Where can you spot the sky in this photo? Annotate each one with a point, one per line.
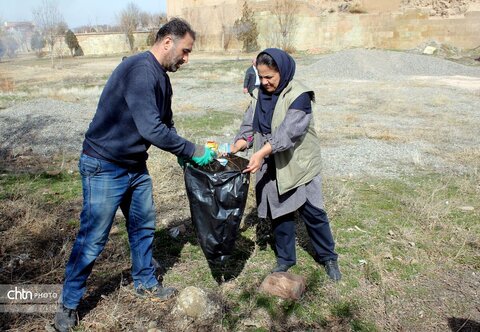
(78, 12)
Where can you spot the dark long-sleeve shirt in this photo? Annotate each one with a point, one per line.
(134, 112)
(250, 79)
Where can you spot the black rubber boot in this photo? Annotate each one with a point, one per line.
(281, 268)
(333, 272)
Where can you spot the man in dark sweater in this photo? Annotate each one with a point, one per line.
(134, 112)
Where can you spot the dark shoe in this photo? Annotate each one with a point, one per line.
(333, 272)
(65, 319)
(157, 292)
(281, 268)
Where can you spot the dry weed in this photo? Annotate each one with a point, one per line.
(381, 134)
(7, 84)
(73, 94)
(465, 156)
(169, 188)
(34, 247)
(428, 206)
(338, 196)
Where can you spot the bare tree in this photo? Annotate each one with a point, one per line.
(3, 48)
(152, 21)
(129, 22)
(38, 43)
(285, 12)
(144, 20)
(49, 21)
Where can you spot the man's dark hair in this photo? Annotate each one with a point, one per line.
(177, 28)
(267, 60)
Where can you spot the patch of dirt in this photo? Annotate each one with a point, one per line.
(463, 82)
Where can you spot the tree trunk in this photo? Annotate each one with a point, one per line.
(51, 53)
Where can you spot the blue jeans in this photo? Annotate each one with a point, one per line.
(107, 186)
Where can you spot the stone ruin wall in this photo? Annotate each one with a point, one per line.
(325, 25)
(102, 43)
(443, 8)
(330, 25)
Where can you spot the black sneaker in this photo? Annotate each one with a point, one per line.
(157, 292)
(65, 319)
(333, 272)
(281, 268)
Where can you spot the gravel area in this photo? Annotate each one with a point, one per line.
(44, 126)
(379, 113)
(363, 64)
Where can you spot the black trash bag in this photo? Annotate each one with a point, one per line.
(217, 196)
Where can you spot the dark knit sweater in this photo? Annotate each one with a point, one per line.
(134, 112)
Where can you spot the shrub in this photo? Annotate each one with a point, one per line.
(245, 29)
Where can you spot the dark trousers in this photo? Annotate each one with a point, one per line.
(318, 228)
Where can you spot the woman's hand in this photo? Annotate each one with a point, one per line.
(239, 145)
(254, 164)
(256, 160)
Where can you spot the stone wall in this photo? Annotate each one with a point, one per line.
(103, 43)
(385, 24)
(381, 30)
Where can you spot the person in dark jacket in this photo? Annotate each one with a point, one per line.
(251, 81)
(134, 112)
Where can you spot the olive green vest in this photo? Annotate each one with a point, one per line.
(301, 163)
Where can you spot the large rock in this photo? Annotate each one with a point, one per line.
(284, 284)
(194, 303)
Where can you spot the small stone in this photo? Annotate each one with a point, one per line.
(429, 50)
(152, 325)
(114, 230)
(388, 256)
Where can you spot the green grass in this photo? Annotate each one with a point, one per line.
(396, 219)
(43, 187)
(9, 99)
(205, 124)
(389, 233)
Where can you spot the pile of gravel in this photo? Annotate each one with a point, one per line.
(50, 127)
(363, 64)
(369, 157)
(45, 127)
